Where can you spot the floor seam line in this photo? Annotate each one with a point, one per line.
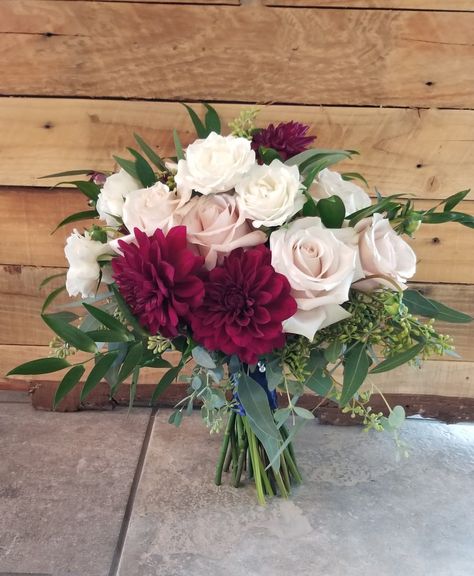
(117, 555)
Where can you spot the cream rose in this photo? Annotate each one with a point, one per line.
(84, 271)
(383, 252)
(320, 265)
(112, 196)
(270, 195)
(214, 164)
(329, 183)
(215, 227)
(151, 208)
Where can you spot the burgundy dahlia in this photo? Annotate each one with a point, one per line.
(159, 278)
(244, 306)
(288, 139)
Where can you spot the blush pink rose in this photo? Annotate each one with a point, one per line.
(383, 252)
(215, 227)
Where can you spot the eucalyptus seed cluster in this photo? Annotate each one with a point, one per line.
(295, 356)
(159, 344)
(60, 348)
(381, 319)
(244, 125)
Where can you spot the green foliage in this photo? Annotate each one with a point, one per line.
(70, 334)
(244, 125)
(144, 171)
(178, 146)
(150, 153)
(268, 154)
(76, 217)
(332, 211)
(419, 304)
(102, 366)
(211, 122)
(40, 366)
(71, 378)
(356, 368)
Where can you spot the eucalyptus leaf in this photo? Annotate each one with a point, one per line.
(356, 368)
(398, 359)
(446, 314)
(71, 378)
(333, 351)
(274, 373)
(255, 403)
(303, 413)
(203, 358)
(396, 417)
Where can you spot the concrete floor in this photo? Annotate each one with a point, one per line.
(108, 494)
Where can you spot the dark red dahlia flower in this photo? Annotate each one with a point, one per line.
(288, 139)
(159, 278)
(244, 306)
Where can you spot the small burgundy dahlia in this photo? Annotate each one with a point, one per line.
(159, 278)
(288, 139)
(244, 306)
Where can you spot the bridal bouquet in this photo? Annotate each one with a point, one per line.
(265, 269)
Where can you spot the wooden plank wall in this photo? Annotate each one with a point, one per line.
(390, 78)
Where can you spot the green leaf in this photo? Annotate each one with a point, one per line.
(268, 154)
(356, 368)
(213, 123)
(67, 173)
(98, 372)
(332, 211)
(150, 153)
(76, 217)
(71, 378)
(354, 176)
(132, 360)
(176, 418)
(420, 305)
(320, 383)
(126, 313)
(133, 386)
(398, 359)
(308, 157)
(144, 170)
(300, 422)
(303, 413)
(112, 373)
(380, 206)
(178, 146)
(446, 314)
(274, 373)
(255, 402)
(396, 417)
(454, 200)
(108, 335)
(51, 296)
(168, 378)
(70, 334)
(198, 125)
(157, 362)
(65, 316)
(310, 207)
(128, 166)
(333, 351)
(89, 189)
(48, 279)
(105, 318)
(203, 358)
(40, 366)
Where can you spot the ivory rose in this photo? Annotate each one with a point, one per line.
(383, 252)
(270, 195)
(320, 265)
(84, 271)
(112, 196)
(214, 164)
(155, 207)
(329, 183)
(215, 227)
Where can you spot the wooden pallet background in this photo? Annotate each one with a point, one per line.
(391, 78)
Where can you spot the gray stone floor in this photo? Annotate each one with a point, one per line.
(73, 503)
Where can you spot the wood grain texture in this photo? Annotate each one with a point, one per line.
(428, 153)
(227, 53)
(28, 215)
(449, 5)
(442, 378)
(21, 301)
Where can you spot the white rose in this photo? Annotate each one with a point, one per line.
(383, 252)
(84, 271)
(151, 208)
(270, 195)
(214, 164)
(113, 194)
(320, 265)
(329, 183)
